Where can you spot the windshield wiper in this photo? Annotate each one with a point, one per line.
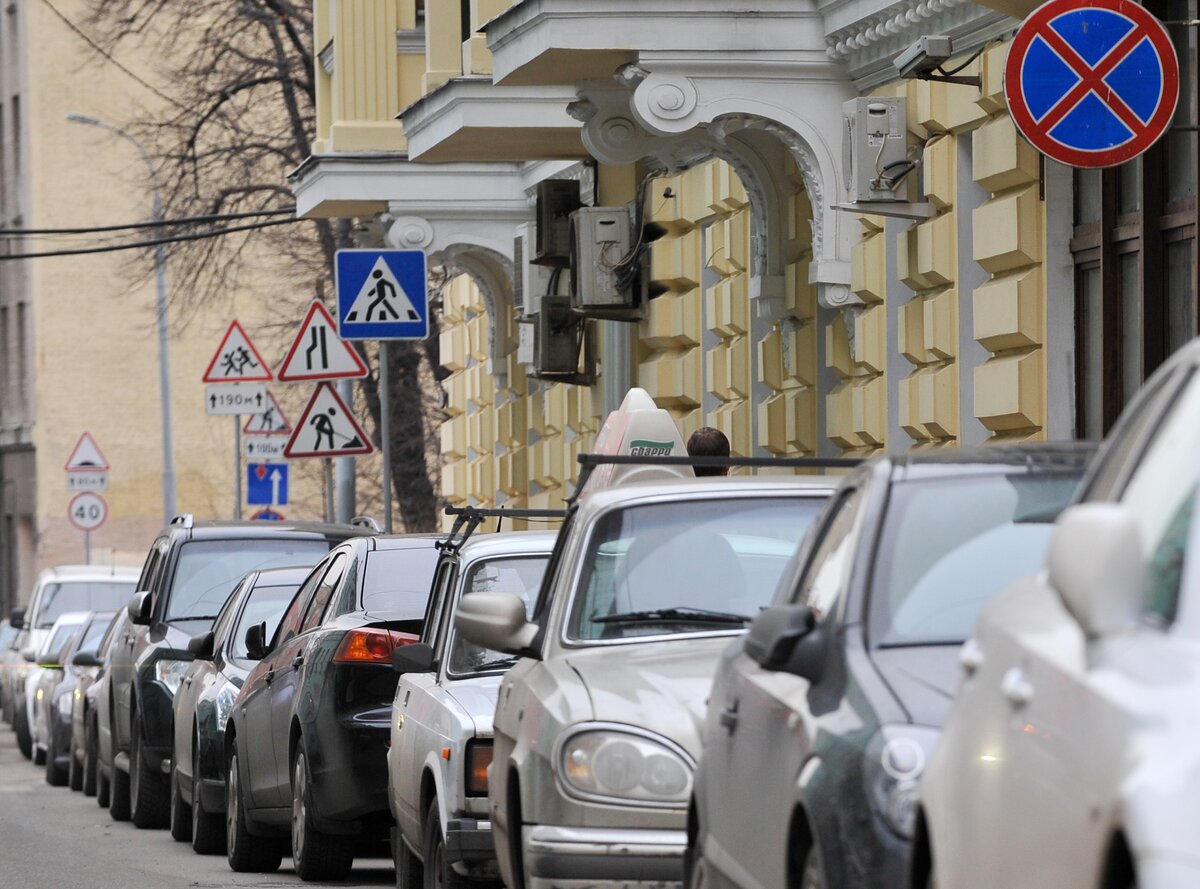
(674, 615)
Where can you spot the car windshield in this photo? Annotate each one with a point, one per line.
(397, 581)
(63, 596)
(265, 605)
(690, 566)
(520, 576)
(56, 641)
(7, 634)
(208, 570)
(949, 545)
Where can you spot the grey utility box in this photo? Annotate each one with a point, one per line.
(874, 148)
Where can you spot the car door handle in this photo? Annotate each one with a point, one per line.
(298, 662)
(1016, 687)
(729, 718)
(970, 656)
(270, 675)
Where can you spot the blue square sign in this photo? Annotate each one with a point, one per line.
(267, 484)
(382, 295)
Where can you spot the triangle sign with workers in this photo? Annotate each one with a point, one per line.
(318, 353)
(237, 360)
(327, 428)
(271, 420)
(86, 456)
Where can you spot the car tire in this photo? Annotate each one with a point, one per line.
(812, 876)
(74, 771)
(410, 873)
(438, 872)
(39, 756)
(118, 786)
(24, 738)
(316, 855)
(695, 867)
(244, 852)
(103, 788)
(90, 765)
(56, 775)
(180, 814)
(208, 830)
(148, 799)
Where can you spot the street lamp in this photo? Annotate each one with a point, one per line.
(160, 277)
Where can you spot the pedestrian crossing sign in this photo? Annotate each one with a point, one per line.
(327, 428)
(382, 295)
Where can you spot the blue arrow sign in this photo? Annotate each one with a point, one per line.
(267, 484)
(382, 295)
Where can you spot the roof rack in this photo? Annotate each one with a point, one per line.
(366, 521)
(468, 518)
(588, 462)
(184, 520)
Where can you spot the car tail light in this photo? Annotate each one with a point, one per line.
(479, 757)
(371, 646)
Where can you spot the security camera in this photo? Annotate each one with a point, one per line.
(924, 57)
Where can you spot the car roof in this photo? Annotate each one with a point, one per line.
(217, 530)
(88, 572)
(1066, 456)
(711, 488)
(405, 541)
(71, 617)
(292, 576)
(507, 543)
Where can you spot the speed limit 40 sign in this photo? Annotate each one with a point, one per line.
(87, 511)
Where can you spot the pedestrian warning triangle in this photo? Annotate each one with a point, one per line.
(381, 298)
(318, 353)
(269, 421)
(237, 360)
(86, 456)
(327, 429)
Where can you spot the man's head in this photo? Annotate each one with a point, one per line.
(708, 442)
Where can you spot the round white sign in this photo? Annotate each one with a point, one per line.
(87, 511)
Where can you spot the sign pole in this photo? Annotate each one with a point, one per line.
(385, 432)
(87, 547)
(328, 489)
(237, 468)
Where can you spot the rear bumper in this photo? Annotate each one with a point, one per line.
(350, 779)
(595, 856)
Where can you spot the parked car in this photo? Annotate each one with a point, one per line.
(7, 634)
(84, 763)
(820, 719)
(205, 702)
(58, 591)
(441, 731)
(596, 729)
(189, 573)
(47, 673)
(14, 667)
(306, 745)
(76, 658)
(1068, 760)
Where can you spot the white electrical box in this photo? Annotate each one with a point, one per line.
(599, 243)
(530, 282)
(875, 149)
(526, 341)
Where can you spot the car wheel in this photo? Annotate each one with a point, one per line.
(24, 738)
(438, 872)
(148, 799)
(90, 776)
(813, 875)
(316, 855)
(56, 775)
(245, 853)
(696, 868)
(410, 873)
(118, 786)
(208, 833)
(39, 756)
(74, 770)
(180, 812)
(103, 788)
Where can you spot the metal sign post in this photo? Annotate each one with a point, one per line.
(237, 468)
(385, 432)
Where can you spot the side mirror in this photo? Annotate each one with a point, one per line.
(85, 659)
(496, 621)
(256, 646)
(16, 618)
(201, 646)
(414, 658)
(28, 654)
(49, 662)
(139, 608)
(1095, 563)
(787, 638)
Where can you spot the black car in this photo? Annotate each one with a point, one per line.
(78, 657)
(84, 735)
(190, 572)
(307, 743)
(205, 702)
(820, 719)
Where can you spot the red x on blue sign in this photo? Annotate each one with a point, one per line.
(1091, 83)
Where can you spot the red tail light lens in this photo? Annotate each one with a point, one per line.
(368, 646)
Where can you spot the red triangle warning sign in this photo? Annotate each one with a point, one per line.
(327, 429)
(318, 353)
(270, 421)
(237, 360)
(86, 456)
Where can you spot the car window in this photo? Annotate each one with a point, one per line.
(56, 640)
(711, 565)
(153, 564)
(289, 625)
(346, 598)
(94, 633)
(265, 604)
(521, 576)
(206, 571)
(325, 590)
(398, 581)
(1132, 429)
(63, 596)
(948, 545)
(110, 633)
(225, 617)
(1161, 494)
(433, 625)
(828, 569)
(546, 593)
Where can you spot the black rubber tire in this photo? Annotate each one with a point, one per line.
(74, 771)
(315, 855)
(812, 875)
(410, 872)
(56, 776)
(103, 788)
(438, 872)
(208, 830)
(118, 803)
(24, 738)
(90, 764)
(149, 799)
(244, 852)
(180, 813)
(39, 756)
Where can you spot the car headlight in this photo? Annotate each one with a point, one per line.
(225, 698)
(170, 673)
(895, 760)
(620, 766)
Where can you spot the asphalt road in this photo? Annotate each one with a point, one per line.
(52, 838)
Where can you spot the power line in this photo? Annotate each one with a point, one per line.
(134, 245)
(105, 53)
(183, 220)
